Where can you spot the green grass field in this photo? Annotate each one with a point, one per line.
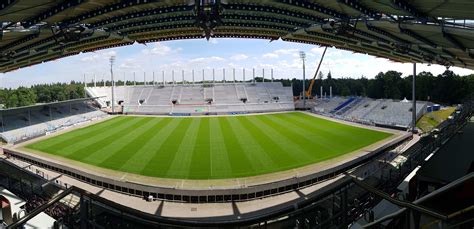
(209, 147)
(431, 120)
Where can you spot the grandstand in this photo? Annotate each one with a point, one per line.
(194, 99)
(384, 112)
(20, 124)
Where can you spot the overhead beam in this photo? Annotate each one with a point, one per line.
(19, 42)
(354, 4)
(51, 12)
(143, 23)
(386, 34)
(314, 6)
(417, 37)
(279, 12)
(454, 41)
(406, 7)
(116, 7)
(7, 4)
(268, 19)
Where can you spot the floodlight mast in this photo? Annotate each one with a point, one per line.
(303, 58)
(112, 60)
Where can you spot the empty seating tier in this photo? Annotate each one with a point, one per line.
(189, 99)
(21, 124)
(366, 110)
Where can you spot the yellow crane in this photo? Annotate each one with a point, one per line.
(308, 92)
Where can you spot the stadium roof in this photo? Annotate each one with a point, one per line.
(422, 31)
(40, 106)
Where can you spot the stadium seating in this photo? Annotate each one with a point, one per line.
(27, 123)
(366, 110)
(198, 98)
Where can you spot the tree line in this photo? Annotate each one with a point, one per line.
(41, 93)
(445, 88)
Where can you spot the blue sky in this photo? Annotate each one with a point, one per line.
(200, 54)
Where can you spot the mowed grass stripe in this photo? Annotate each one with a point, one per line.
(88, 147)
(270, 147)
(302, 134)
(129, 144)
(291, 145)
(321, 130)
(201, 158)
(82, 140)
(241, 163)
(251, 146)
(181, 163)
(87, 142)
(159, 164)
(73, 136)
(209, 147)
(353, 138)
(122, 141)
(219, 156)
(140, 158)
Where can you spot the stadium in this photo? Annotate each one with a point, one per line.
(248, 151)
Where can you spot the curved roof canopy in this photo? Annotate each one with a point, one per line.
(422, 31)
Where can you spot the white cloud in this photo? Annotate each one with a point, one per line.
(281, 52)
(206, 59)
(270, 55)
(330, 52)
(99, 56)
(286, 51)
(239, 57)
(158, 49)
(232, 65)
(130, 64)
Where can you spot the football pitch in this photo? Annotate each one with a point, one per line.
(209, 147)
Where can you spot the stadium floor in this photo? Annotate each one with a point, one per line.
(209, 147)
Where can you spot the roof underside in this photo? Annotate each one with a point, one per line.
(421, 31)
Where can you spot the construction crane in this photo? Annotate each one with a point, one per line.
(308, 92)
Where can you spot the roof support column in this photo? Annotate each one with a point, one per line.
(182, 76)
(1, 118)
(253, 74)
(271, 74)
(172, 77)
(163, 78)
(413, 109)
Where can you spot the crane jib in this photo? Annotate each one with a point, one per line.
(308, 93)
